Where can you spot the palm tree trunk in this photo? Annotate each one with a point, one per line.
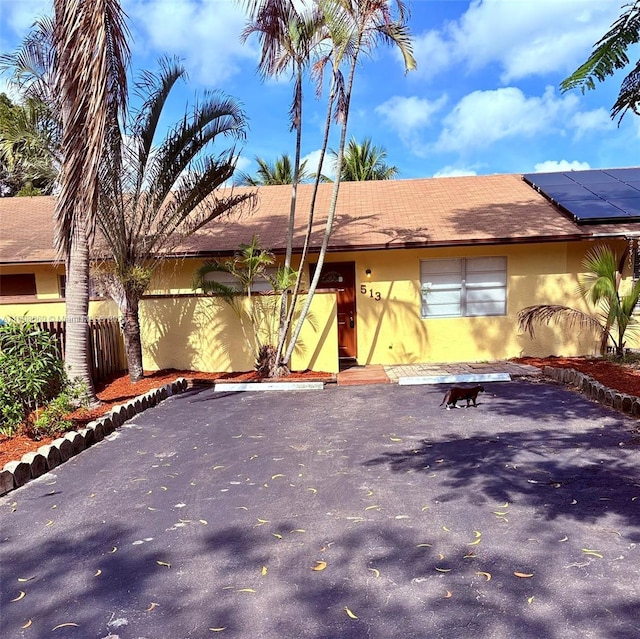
(132, 340)
(285, 322)
(77, 355)
(305, 248)
(331, 214)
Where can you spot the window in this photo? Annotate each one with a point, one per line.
(16, 285)
(260, 284)
(465, 287)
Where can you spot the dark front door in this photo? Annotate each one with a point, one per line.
(341, 278)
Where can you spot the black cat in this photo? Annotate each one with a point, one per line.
(456, 394)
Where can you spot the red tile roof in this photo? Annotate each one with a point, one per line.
(385, 214)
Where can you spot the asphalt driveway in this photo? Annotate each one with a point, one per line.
(353, 512)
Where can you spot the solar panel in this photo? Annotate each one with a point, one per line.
(547, 179)
(593, 196)
(588, 178)
(568, 192)
(631, 205)
(594, 211)
(625, 175)
(619, 189)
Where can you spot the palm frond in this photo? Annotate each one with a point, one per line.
(90, 41)
(599, 282)
(629, 96)
(154, 89)
(532, 316)
(216, 115)
(31, 65)
(610, 52)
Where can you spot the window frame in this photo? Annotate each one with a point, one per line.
(461, 288)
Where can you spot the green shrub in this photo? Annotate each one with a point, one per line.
(51, 419)
(31, 371)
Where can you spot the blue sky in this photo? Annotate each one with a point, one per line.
(484, 99)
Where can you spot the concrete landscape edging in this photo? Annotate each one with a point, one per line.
(627, 404)
(32, 465)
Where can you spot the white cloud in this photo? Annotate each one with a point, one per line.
(523, 37)
(407, 116)
(19, 16)
(550, 166)
(432, 52)
(205, 34)
(452, 171)
(585, 122)
(243, 163)
(313, 159)
(484, 117)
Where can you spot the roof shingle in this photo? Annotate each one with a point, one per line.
(384, 214)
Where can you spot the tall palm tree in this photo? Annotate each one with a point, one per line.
(344, 28)
(76, 64)
(353, 27)
(288, 32)
(365, 161)
(280, 172)
(609, 55)
(90, 79)
(600, 286)
(162, 192)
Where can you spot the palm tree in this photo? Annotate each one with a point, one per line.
(76, 64)
(280, 172)
(600, 287)
(342, 30)
(608, 56)
(31, 131)
(250, 263)
(365, 162)
(353, 27)
(288, 37)
(162, 192)
(90, 80)
(28, 142)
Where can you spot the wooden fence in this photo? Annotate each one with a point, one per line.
(106, 345)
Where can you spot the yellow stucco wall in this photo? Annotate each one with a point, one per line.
(182, 330)
(204, 334)
(391, 331)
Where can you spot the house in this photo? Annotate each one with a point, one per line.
(418, 270)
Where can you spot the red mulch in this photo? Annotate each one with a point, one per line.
(621, 377)
(120, 389)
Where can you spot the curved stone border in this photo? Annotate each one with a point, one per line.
(46, 458)
(628, 404)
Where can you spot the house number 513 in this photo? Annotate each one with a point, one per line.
(375, 295)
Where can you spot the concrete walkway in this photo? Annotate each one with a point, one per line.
(395, 373)
(439, 372)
